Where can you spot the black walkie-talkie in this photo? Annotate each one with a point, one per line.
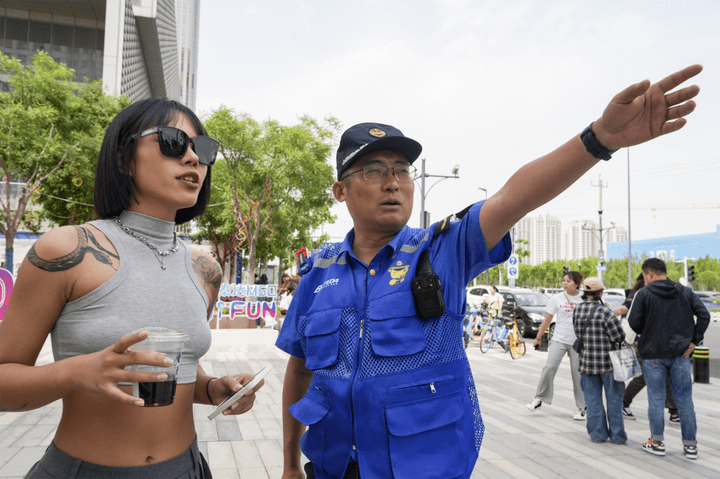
(426, 289)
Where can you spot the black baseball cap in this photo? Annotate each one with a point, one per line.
(364, 138)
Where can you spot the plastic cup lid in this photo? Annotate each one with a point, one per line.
(163, 334)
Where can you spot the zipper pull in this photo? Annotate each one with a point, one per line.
(432, 388)
(362, 321)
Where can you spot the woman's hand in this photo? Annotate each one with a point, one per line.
(101, 372)
(219, 389)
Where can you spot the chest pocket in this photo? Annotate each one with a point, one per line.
(395, 329)
(323, 338)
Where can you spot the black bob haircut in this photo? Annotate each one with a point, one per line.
(114, 185)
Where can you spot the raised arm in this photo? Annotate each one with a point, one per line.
(637, 114)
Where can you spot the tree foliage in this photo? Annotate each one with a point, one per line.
(271, 186)
(549, 274)
(522, 252)
(50, 131)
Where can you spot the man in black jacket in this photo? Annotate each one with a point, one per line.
(662, 313)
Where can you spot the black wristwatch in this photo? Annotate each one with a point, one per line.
(593, 146)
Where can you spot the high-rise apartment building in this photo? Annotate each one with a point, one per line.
(615, 235)
(140, 48)
(581, 240)
(544, 235)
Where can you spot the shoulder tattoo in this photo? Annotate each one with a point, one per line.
(19, 409)
(207, 271)
(87, 244)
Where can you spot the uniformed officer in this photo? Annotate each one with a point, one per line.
(378, 370)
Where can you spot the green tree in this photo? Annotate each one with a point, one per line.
(708, 281)
(522, 252)
(48, 139)
(616, 275)
(277, 185)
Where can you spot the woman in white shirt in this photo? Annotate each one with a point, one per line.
(495, 302)
(562, 306)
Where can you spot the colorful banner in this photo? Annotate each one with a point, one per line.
(251, 309)
(235, 300)
(244, 290)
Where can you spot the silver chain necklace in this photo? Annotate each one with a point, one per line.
(159, 253)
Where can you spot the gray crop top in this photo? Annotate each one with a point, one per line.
(139, 295)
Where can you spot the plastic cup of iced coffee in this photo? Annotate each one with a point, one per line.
(166, 341)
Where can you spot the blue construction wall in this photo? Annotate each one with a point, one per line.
(671, 248)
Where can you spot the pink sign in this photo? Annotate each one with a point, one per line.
(6, 287)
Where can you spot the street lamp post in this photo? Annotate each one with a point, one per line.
(423, 194)
(601, 252)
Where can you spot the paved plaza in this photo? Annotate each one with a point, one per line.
(518, 443)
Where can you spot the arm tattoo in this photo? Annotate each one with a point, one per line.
(208, 271)
(76, 256)
(19, 409)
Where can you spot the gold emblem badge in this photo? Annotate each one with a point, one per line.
(397, 273)
(377, 132)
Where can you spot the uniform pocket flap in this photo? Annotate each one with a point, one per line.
(308, 411)
(323, 322)
(410, 418)
(395, 305)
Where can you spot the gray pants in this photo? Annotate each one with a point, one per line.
(556, 352)
(55, 464)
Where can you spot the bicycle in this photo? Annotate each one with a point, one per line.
(482, 319)
(468, 324)
(515, 341)
(497, 332)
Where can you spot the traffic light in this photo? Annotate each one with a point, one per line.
(566, 270)
(691, 273)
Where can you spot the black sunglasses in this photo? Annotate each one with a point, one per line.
(174, 143)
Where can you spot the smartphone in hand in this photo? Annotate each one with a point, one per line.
(247, 387)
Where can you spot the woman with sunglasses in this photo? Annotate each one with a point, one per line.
(91, 286)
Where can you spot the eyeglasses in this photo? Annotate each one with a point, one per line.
(174, 144)
(378, 171)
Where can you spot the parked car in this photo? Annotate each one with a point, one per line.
(615, 291)
(526, 306)
(708, 296)
(550, 292)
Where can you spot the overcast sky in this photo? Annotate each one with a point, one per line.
(486, 85)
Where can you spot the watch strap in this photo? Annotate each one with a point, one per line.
(593, 146)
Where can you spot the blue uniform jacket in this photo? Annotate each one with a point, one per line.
(391, 387)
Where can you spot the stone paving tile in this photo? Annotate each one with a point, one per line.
(518, 443)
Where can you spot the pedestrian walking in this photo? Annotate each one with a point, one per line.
(599, 329)
(637, 383)
(663, 314)
(561, 307)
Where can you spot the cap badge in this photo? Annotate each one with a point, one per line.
(377, 132)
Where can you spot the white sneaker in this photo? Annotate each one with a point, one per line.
(579, 415)
(534, 404)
